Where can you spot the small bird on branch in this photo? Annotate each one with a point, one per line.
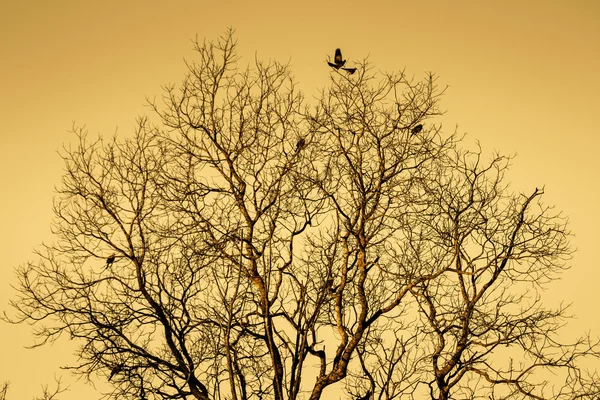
(110, 260)
(115, 370)
(300, 144)
(367, 396)
(416, 130)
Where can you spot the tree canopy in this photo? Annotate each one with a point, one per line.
(246, 243)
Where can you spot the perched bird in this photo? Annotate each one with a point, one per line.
(115, 370)
(329, 285)
(350, 70)
(367, 396)
(110, 260)
(416, 129)
(300, 144)
(337, 61)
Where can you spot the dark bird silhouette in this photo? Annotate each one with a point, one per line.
(350, 70)
(337, 61)
(329, 282)
(329, 285)
(367, 396)
(300, 144)
(115, 370)
(416, 129)
(110, 260)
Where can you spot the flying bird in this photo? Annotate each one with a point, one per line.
(337, 61)
(110, 260)
(416, 129)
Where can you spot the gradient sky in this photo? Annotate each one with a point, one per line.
(523, 78)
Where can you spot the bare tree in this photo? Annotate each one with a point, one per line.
(486, 330)
(47, 394)
(248, 246)
(4, 390)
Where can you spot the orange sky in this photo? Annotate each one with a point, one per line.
(523, 79)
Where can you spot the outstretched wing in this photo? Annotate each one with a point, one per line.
(333, 65)
(350, 70)
(338, 57)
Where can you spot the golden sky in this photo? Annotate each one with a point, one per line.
(523, 78)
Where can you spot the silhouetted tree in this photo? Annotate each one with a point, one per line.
(482, 331)
(249, 269)
(47, 394)
(4, 390)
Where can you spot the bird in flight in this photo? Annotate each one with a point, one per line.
(416, 129)
(110, 260)
(339, 62)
